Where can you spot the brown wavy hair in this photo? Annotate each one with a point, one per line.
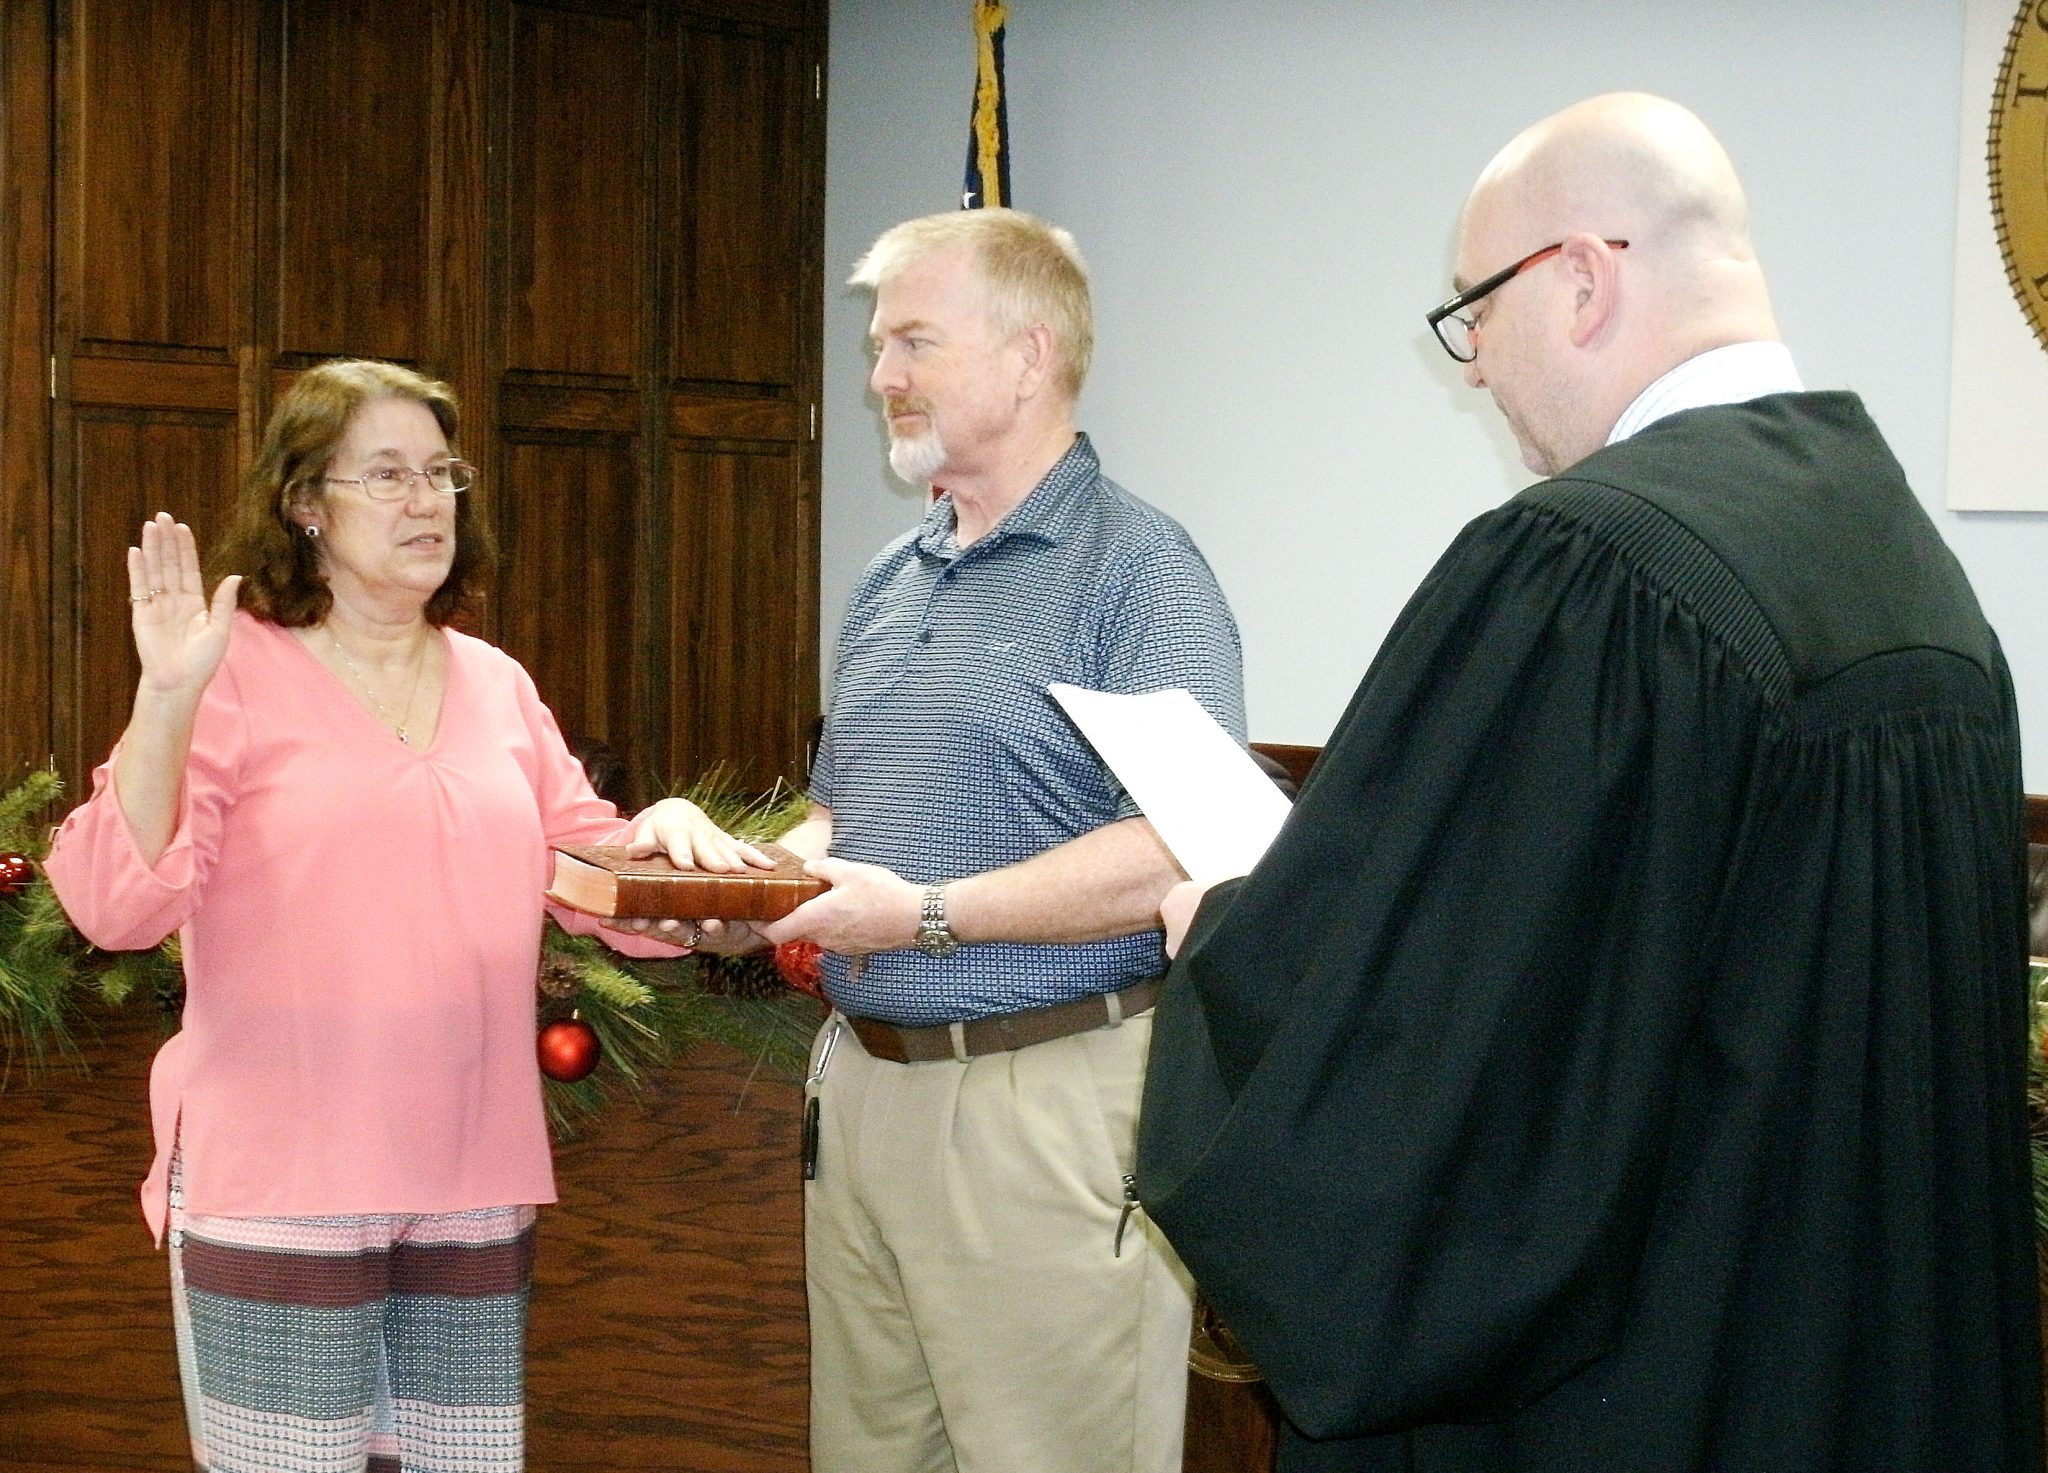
(280, 565)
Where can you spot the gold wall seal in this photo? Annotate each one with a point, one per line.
(2019, 163)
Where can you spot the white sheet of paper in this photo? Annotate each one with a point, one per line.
(1213, 807)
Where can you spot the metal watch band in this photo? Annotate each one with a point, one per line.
(934, 936)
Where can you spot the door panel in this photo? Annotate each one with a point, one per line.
(129, 464)
(599, 220)
(355, 154)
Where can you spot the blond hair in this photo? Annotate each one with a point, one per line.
(1030, 272)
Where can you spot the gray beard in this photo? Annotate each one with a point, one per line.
(918, 459)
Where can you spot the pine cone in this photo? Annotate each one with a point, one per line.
(558, 977)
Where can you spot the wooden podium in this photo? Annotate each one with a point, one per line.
(1233, 1423)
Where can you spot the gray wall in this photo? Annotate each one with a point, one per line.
(1267, 194)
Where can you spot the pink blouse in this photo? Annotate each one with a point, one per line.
(360, 922)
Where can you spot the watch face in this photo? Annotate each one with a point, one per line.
(2019, 163)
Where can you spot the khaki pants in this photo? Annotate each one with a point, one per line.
(971, 1309)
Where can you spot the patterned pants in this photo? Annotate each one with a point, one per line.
(353, 1344)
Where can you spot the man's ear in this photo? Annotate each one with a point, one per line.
(1596, 285)
(1035, 348)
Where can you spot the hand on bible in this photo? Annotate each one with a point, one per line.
(685, 833)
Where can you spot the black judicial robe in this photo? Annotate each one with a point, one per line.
(1617, 1063)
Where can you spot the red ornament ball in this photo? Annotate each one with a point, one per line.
(568, 1050)
(15, 873)
(797, 962)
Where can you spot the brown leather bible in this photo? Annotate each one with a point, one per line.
(601, 881)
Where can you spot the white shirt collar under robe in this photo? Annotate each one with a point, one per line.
(1731, 375)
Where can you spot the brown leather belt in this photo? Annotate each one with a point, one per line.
(1005, 1031)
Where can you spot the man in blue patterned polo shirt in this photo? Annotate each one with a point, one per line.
(983, 1293)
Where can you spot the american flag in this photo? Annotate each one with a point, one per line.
(988, 132)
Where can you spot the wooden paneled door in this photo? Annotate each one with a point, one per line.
(153, 290)
(741, 429)
(599, 220)
(660, 367)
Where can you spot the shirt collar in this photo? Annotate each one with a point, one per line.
(1731, 375)
(1049, 513)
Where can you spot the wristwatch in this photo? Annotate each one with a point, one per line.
(934, 936)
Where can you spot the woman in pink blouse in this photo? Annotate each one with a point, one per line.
(344, 808)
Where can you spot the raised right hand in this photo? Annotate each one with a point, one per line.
(180, 634)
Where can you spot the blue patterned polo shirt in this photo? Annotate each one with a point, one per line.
(943, 755)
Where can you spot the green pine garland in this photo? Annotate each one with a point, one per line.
(645, 1013)
(42, 960)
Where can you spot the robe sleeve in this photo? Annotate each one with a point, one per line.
(1409, 1077)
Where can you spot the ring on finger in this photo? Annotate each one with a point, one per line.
(696, 935)
(143, 598)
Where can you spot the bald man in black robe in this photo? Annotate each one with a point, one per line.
(1617, 1064)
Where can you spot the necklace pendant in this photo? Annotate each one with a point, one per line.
(403, 737)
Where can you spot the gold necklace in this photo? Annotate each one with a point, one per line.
(419, 663)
